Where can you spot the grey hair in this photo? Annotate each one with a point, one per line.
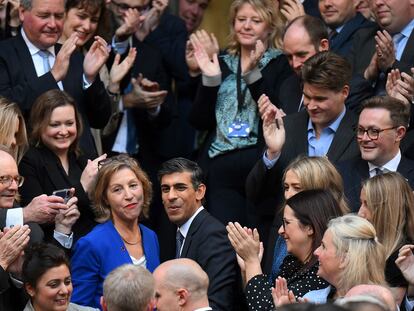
(128, 288)
(27, 4)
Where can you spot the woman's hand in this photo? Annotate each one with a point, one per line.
(246, 242)
(291, 9)
(65, 219)
(202, 38)
(88, 177)
(255, 56)
(209, 66)
(120, 69)
(281, 294)
(405, 262)
(400, 86)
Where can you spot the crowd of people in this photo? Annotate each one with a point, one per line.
(143, 167)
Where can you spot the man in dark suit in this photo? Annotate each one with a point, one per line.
(325, 128)
(381, 127)
(390, 45)
(344, 22)
(32, 63)
(200, 236)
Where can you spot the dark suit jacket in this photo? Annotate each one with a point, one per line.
(20, 83)
(207, 244)
(356, 170)
(341, 43)
(43, 173)
(264, 187)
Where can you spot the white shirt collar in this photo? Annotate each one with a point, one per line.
(186, 226)
(390, 166)
(32, 48)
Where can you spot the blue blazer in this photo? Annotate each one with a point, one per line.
(100, 252)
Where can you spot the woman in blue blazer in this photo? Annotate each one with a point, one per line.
(122, 194)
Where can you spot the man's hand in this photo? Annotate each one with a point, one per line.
(61, 65)
(372, 71)
(145, 94)
(12, 243)
(14, 13)
(291, 9)
(89, 174)
(43, 209)
(132, 21)
(95, 59)
(273, 127)
(385, 50)
(152, 19)
(120, 69)
(405, 262)
(400, 86)
(65, 219)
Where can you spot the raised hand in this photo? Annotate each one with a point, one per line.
(405, 262)
(291, 9)
(255, 56)
(152, 19)
(131, 23)
(208, 67)
(281, 294)
(120, 69)
(61, 65)
(203, 40)
(273, 127)
(400, 86)
(372, 71)
(12, 243)
(65, 219)
(95, 59)
(89, 174)
(385, 50)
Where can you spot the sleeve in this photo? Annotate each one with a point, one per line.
(393, 274)
(98, 104)
(258, 294)
(86, 265)
(32, 186)
(218, 260)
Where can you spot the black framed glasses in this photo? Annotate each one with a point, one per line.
(372, 133)
(124, 7)
(7, 180)
(286, 222)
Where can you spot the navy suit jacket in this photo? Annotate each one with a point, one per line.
(98, 253)
(356, 170)
(207, 244)
(20, 83)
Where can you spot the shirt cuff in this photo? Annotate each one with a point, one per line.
(85, 83)
(211, 81)
(120, 47)
(14, 217)
(269, 163)
(65, 240)
(253, 75)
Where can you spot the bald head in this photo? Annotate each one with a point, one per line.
(382, 293)
(182, 283)
(9, 173)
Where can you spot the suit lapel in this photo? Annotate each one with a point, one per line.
(363, 169)
(343, 137)
(195, 225)
(408, 53)
(53, 171)
(23, 54)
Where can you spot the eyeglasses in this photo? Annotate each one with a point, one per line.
(123, 158)
(286, 222)
(124, 7)
(7, 180)
(372, 133)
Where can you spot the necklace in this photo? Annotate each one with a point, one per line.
(130, 243)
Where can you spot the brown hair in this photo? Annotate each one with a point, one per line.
(109, 167)
(42, 110)
(399, 112)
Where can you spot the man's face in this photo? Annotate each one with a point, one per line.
(393, 15)
(379, 151)
(336, 13)
(323, 105)
(120, 7)
(165, 298)
(179, 197)
(298, 47)
(8, 192)
(43, 24)
(192, 12)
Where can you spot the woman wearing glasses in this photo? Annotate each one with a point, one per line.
(305, 219)
(54, 162)
(122, 196)
(387, 201)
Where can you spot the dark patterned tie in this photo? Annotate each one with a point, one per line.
(179, 239)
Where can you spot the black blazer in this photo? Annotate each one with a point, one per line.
(20, 83)
(264, 187)
(44, 174)
(207, 244)
(356, 170)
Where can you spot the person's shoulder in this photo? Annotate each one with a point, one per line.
(208, 222)
(147, 231)
(75, 307)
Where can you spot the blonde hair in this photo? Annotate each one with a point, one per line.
(319, 173)
(10, 116)
(109, 167)
(391, 201)
(266, 10)
(356, 242)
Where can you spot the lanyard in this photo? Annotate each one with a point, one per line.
(241, 95)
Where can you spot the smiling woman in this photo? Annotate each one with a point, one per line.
(122, 195)
(47, 280)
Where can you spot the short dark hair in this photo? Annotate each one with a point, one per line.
(327, 70)
(315, 208)
(399, 112)
(39, 258)
(181, 165)
(315, 28)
